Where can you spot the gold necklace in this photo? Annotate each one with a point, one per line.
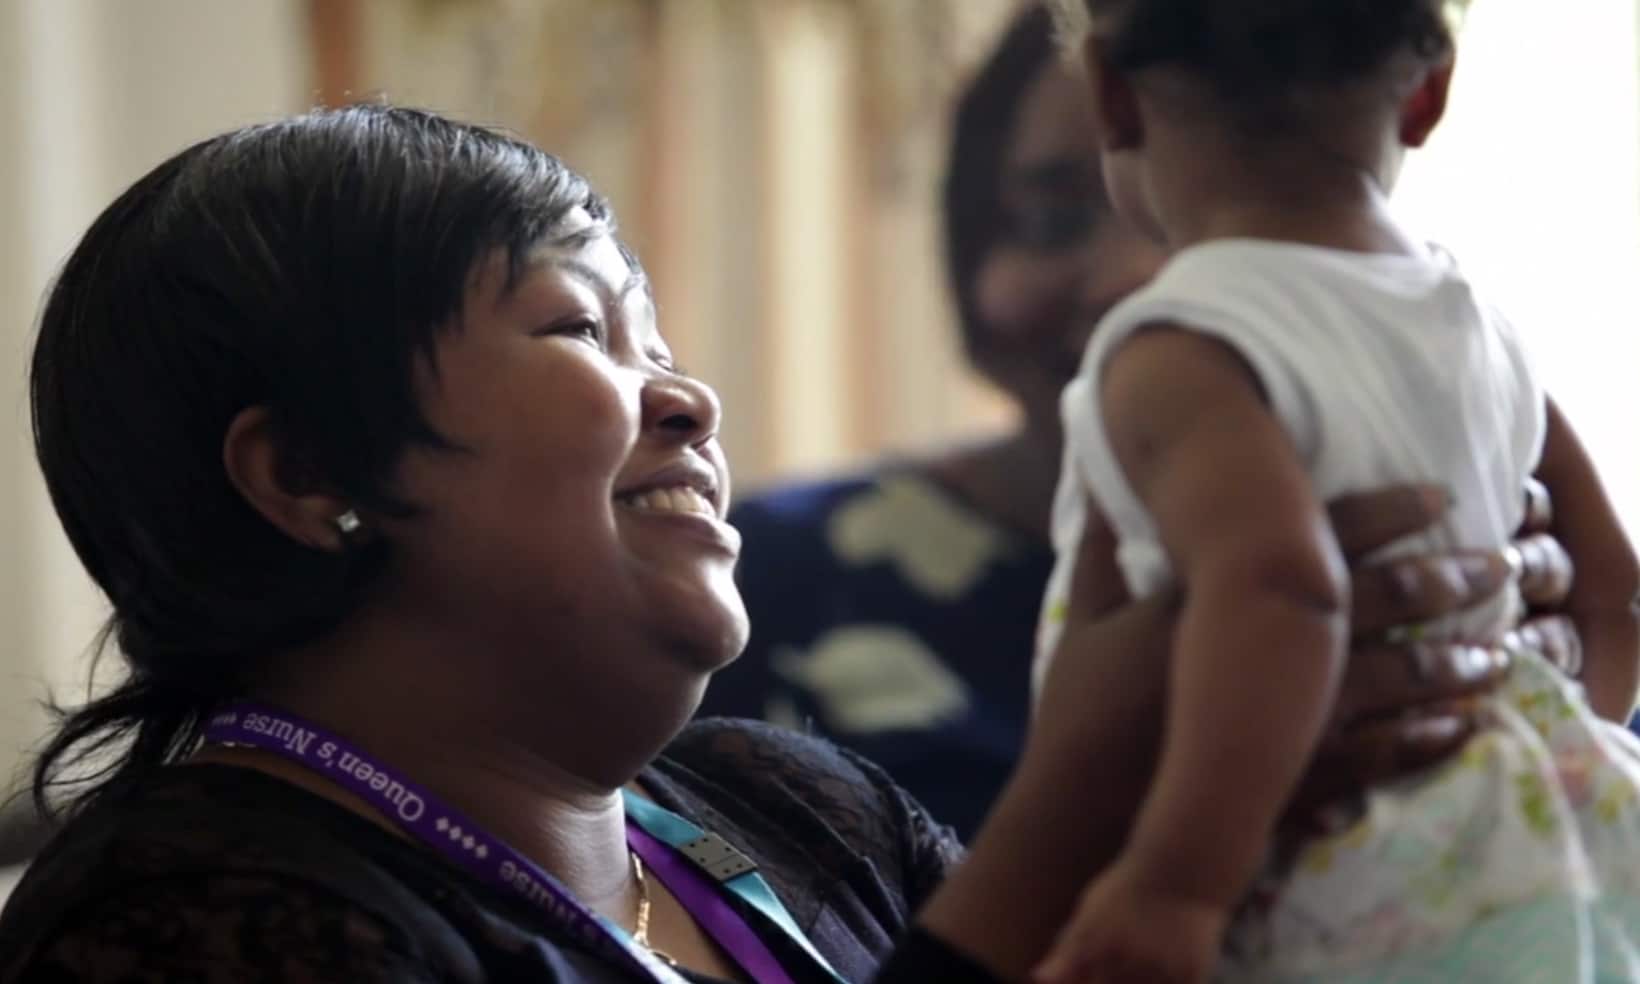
(640, 929)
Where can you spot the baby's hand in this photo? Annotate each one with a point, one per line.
(1128, 932)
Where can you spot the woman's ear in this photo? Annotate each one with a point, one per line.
(1422, 110)
(1115, 103)
(277, 488)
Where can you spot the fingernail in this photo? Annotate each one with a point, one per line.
(1437, 497)
(1516, 561)
(1480, 572)
(1423, 668)
(1445, 729)
(1441, 496)
(1408, 579)
(1477, 661)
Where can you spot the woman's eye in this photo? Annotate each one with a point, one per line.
(579, 328)
(1053, 226)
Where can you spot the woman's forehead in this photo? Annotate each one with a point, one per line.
(592, 258)
(1055, 120)
(598, 261)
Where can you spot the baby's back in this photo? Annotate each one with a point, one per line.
(1384, 369)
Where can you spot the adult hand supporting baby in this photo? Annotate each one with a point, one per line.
(1381, 728)
(1092, 746)
(1544, 572)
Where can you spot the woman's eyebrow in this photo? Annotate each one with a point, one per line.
(1050, 174)
(589, 275)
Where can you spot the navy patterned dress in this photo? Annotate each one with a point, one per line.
(892, 618)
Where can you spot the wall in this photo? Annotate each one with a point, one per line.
(1533, 182)
(92, 94)
(774, 162)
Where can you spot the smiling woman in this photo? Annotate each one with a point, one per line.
(394, 433)
(417, 417)
(364, 429)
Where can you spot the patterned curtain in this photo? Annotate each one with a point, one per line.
(775, 162)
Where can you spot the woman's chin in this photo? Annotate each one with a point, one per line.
(722, 644)
(708, 627)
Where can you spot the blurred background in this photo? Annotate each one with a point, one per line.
(776, 164)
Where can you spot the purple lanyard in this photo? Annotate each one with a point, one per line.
(493, 862)
(707, 905)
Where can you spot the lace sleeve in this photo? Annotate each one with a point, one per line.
(227, 928)
(800, 778)
(928, 849)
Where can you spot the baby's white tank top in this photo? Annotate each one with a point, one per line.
(1383, 368)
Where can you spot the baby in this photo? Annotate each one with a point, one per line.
(1298, 345)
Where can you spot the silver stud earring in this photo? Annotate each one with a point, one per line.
(348, 522)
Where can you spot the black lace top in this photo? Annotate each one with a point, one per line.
(216, 873)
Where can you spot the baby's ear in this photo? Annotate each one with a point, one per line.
(1422, 109)
(1115, 103)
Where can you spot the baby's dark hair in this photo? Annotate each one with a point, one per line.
(1254, 50)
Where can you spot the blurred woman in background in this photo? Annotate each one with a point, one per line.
(894, 609)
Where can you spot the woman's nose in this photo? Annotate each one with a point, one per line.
(681, 408)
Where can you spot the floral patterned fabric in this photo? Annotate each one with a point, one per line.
(1518, 861)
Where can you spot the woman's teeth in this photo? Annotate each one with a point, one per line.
(677, 499)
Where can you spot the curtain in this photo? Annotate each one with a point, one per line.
(94, 93)
(775, 164)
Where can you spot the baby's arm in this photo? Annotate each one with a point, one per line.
(1607, 579)
(1263, 633)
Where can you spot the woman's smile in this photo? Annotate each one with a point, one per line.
(683, 507)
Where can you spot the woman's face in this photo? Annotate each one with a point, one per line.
(582, 523)
(1064, 258)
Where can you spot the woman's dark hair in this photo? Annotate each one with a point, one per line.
(971, 196)
(306, 266)
(1254, 50)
